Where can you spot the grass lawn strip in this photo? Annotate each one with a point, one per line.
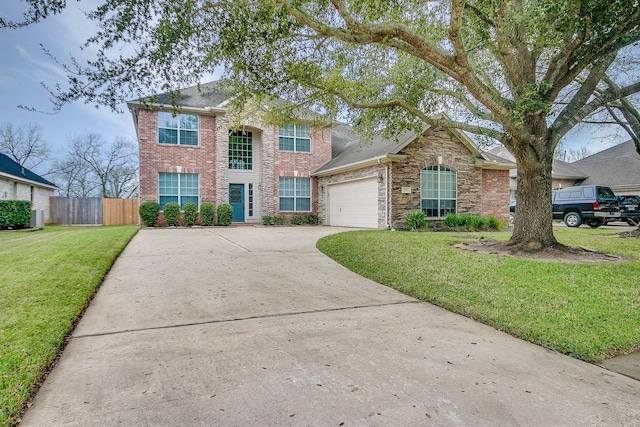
(590, 311)
(47, 279)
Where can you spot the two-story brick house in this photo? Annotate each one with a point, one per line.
(194, 156)
(189, 153)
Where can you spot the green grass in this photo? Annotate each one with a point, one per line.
(47, 278)
(589, 311)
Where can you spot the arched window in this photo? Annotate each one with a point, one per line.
(438, 191)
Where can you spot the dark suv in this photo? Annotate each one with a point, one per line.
(629, 209)
(592, 204)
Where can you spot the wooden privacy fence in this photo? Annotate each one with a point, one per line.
(92, 211)
(119, 211)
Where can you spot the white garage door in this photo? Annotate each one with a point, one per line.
(354, 204)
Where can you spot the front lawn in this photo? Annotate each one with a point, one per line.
(46, 280)
(589, 311)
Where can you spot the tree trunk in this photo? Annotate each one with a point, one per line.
(533, 226)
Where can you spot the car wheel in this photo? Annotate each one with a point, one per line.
(594, 223)
(512, 217)
(573, 219)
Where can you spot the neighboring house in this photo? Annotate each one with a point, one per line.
(617, 167)
(19, 183)
(194, 156)
(563, 174)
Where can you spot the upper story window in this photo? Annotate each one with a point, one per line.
(181, 129)
(438, 191)
(295, 137)
(240, 150)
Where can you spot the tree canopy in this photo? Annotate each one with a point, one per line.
(522, 72)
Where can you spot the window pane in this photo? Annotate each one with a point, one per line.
(167, 120)
(303, 131)
(188, 137)
(188, 122)
(287, 130)
(303, 204)
(167, 136)
(303, 187)
(286, 203)
(188, 199)
(167, 199)
(286, 144)
(303, 145)
(188, 184)
(168, 184)
(287, 188)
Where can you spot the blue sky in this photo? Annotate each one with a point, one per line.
(25, 66)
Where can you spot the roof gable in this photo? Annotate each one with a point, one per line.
(615, 166)
(354, 150)
(12, 168)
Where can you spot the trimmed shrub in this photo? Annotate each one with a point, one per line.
(172, 214)
(416, 220)
(297, 220)
(149, 212)
(225, 214)
(311, 219)
(472, 222)
(267, 220)
(15, 214)
(206, 214)
(495, 223)
(190, 214)
(279, 220)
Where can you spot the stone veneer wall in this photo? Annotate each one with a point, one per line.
(424, 152)
(367, 172)
(156, 158)
(495, 194)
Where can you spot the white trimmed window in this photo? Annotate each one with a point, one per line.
(181, 188)
(295, 137)
(241, 150)
(295, 194)
(438, 191)
(181, 129)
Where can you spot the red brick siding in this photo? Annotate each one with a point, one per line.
(155, 157)
(287, 163)
(495, 194)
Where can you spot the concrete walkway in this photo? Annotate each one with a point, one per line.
(248, 326)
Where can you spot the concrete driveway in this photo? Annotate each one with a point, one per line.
(248, 326)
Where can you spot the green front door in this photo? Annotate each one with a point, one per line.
(236, 200)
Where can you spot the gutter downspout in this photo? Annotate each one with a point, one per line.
(386, 195)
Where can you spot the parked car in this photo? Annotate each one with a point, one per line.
(594, 205)
(512, 213)
(629, 208)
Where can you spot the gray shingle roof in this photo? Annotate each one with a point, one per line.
(615, 166)
(350, 148)
(559, 169)
(200, 96)
(10, 167)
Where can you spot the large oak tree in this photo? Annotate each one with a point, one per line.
(522, 72)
